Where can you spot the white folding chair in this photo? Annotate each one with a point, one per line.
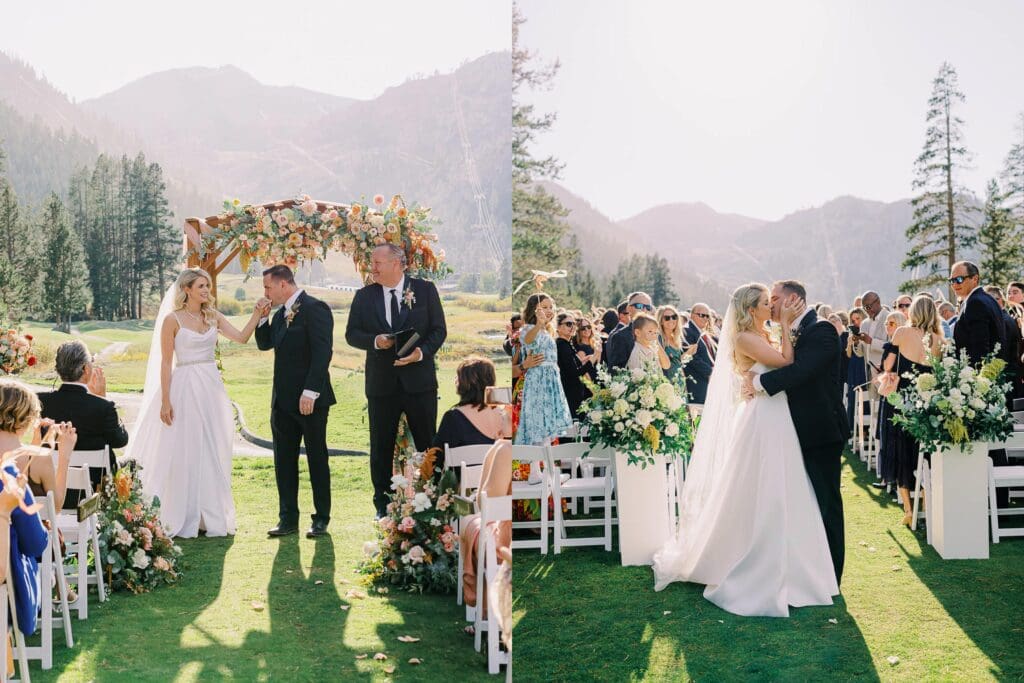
(99, 459)
(1005, 476)
(78, 536)
(569, 455)
(9, 620)
(493, 511)
(469, 460)
(923, 487)
(51, 575)
(539, 490)
(597, 464)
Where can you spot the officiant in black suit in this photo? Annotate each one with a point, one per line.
(385, 316)
(81, 400)
(301, 334)
(812, 385)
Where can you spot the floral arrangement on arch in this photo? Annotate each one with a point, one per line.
(639, 413)
(134, 546)
(955, 403)
(15, 351)
(303, 230)
(416, 547)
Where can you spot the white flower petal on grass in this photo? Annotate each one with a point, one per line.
(893, 660)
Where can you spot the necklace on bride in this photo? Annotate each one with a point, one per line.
(198, 319)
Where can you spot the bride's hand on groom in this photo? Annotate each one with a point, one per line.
(747, 391)
(166, 413)
(791, 309)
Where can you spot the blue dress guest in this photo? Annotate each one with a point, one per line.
(545, 412)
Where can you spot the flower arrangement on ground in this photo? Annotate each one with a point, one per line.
(954, 403)
(15, 350)
(639, 413)
(134, 546)
(417, 546)
(303, 230)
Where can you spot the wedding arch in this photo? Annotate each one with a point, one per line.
(303, 230)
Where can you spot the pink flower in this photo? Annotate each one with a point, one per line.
(161, 564)
(443, 502)
(128, 516)
(378, 199)
(146, 537)
(416, 554)
(386, 523)
(407, 524)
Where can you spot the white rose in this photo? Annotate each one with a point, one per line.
(648, 401)
(619, 427)
(377, 221)
(675, 403)
(977, 404)
(948, 362)
(124, 537)
(672, 429)
(984, 385)
(139, 559)
(416, 554)
(644, 417)
(638, 374)
(434, 521)
(665, 392)
(970, 414)
(398, 482)
(595, 416)
(632, 397)
(618, 389)
(620, 407)
(421, 502)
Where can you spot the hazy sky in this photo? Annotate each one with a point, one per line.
(346, 47)
(764, 108)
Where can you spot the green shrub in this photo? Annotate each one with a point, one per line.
(229, 306)
(240, 294)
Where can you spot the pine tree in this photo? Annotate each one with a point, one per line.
(539, 235)
(659, 279)
(1013, 177)
(940, 229)
(65, 289)
(1002, 250)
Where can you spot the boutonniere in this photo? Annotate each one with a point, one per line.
(795, 334)
(408, 298)
(290, 315)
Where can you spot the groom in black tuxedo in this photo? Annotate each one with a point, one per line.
(812, 385)
(301, 334)
(383, 317)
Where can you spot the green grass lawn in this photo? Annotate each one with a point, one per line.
(580, 616)
(206, 628)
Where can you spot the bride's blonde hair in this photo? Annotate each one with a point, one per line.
(745, 298)
(187, 278)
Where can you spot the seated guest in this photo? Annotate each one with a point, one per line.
(80, 401)
(20, 406)
(472, 421)
(495, 480)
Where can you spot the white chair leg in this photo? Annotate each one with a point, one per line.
(918, 483)
(100, 587)
(608, 515)
(992, 507)
(83, 575)
(458, 581)
(544, 520)
(46, 608)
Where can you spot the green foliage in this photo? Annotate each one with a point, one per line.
(940, 228)
(65, 290)
(1000, 240)
(240, 294)
(638, 273)
(1013, 176)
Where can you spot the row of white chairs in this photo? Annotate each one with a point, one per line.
(80, 535)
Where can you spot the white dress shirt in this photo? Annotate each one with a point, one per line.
(398, 289)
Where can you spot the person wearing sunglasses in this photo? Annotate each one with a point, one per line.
(588, 346)
(620, 343)
(1011, 351)
(670, 329)
(698, 334)
(570, 365)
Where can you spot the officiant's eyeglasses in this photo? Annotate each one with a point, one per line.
(642, 307)
(959, 279)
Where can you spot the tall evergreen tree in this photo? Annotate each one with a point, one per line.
(1013, 175)
(999, 240)
(539, 235)
(941, 229)
(659, 281)
(65, 288)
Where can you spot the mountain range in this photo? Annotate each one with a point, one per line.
(219, 133)
(838, 249)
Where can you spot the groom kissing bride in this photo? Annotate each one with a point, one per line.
(760, 514)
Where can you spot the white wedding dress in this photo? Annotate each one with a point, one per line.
(750, 528)
(187, 465)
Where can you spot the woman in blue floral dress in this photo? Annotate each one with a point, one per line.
(545, 412)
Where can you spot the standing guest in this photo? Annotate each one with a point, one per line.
(698, 370)
(911, 345)
(873, 334)
(886, 465)
(391, 305)
(1015, 293)
(81, 400)
(947, 318)
(671, 340)
(473, 422)
(902, 304)
(647, 351)
(609, 321)
(977, 332)
(858, 302)
(1011, 351)
(856, 372)
(570, 366)
(620, 343)
(844, 360)
(545, 412)
(588, 348)
(512, 334)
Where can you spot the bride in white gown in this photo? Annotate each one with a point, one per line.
(750, 528)
(183, 436)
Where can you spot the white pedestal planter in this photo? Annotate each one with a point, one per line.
(959, 503)
(642, 503)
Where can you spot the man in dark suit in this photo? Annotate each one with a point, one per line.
(978, 330)
(301, 334)
(383, 317)
(1011, 349)
(812, 385)
(80, 400)
(621, 341)
(698, 370)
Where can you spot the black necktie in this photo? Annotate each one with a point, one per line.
(394, 310)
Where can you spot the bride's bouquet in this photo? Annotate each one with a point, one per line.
(639, 413)
(416, 547)
(134, 547)
(15, 351)
(954, 403)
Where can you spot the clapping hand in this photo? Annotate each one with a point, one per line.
(97, 382)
